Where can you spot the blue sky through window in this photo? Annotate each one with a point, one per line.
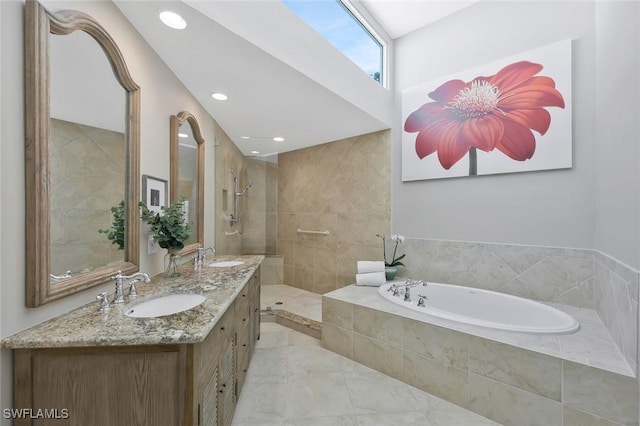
(336, 24)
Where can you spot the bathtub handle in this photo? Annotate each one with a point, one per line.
(407, 294)
(421, 300)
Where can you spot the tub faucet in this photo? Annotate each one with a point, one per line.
(118, 296)
(407, 294)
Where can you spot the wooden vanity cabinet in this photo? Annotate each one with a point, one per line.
(214, 374)
(189, 385)
(128, 385)
(223, 358)
(247, 311)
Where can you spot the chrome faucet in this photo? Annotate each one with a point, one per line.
(66, 275)
(405, 288)
(421, 301)
(104, 302)
(118, 296)
(407, 294)
(201, 257)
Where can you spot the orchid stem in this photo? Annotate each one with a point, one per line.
(473, 162)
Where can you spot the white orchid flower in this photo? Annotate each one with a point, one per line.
(397, 238)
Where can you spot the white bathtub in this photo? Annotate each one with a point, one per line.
(484, 308)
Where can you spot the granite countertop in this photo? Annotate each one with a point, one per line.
(85, 326)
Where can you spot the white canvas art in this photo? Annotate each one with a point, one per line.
(511, 115)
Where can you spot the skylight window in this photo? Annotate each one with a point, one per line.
(340, 27)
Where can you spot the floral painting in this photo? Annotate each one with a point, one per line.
(512, 115)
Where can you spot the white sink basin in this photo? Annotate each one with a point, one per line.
(226, 263)
(165, 305)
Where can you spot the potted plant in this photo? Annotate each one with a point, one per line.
(170, 229)
(391, 268)
(115, 234)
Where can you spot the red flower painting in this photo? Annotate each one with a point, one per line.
(487, 113)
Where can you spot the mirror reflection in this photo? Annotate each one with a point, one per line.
(87, 156)
(187, 173)
(188, 177)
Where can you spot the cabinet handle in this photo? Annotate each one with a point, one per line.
(244, 345)
(222, 328)
(244, 319)
(244, 295)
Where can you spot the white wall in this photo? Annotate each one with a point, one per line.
(162, 95)
(618, 130)
(551, 208)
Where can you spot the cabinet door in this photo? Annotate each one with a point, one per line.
(208, 415)
(254, 307)
(103, 386)
(227, 392)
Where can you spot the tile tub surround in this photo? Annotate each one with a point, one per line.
(577, 277)
(514, 379)
(86, 327)
(616, 301)
(549, 274)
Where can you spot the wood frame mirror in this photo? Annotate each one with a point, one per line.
(39, 24)
(176, 121)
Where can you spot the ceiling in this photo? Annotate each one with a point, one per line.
(282, 78)
(400, 17)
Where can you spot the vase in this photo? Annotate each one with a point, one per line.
(390, 272)
(171, 270)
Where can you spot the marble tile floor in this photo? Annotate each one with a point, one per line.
(293, 381)
(294, 300)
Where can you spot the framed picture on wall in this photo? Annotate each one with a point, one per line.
(510, 115)
(154, 193)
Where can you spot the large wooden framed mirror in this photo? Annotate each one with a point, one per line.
(187, 174)
(81, 162)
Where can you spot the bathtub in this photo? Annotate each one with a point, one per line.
(483, 308)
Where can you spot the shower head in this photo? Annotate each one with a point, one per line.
(249, 185)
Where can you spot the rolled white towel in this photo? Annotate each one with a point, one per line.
(365, 266)
(372, 279)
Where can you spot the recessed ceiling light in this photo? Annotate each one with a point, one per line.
(255, 152)
(173, 20)
(245, 137)
(183, 135)
(278, 139)
(219, 96)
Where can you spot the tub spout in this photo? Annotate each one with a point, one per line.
(407, 294)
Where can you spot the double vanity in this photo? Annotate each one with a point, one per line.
(112, 367)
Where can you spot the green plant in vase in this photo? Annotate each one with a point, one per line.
(170, 230)
(115, 234)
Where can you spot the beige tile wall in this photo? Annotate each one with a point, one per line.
(227, 157)
(510, 385)
(271, 270)
(261, 217)
(342, 187)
